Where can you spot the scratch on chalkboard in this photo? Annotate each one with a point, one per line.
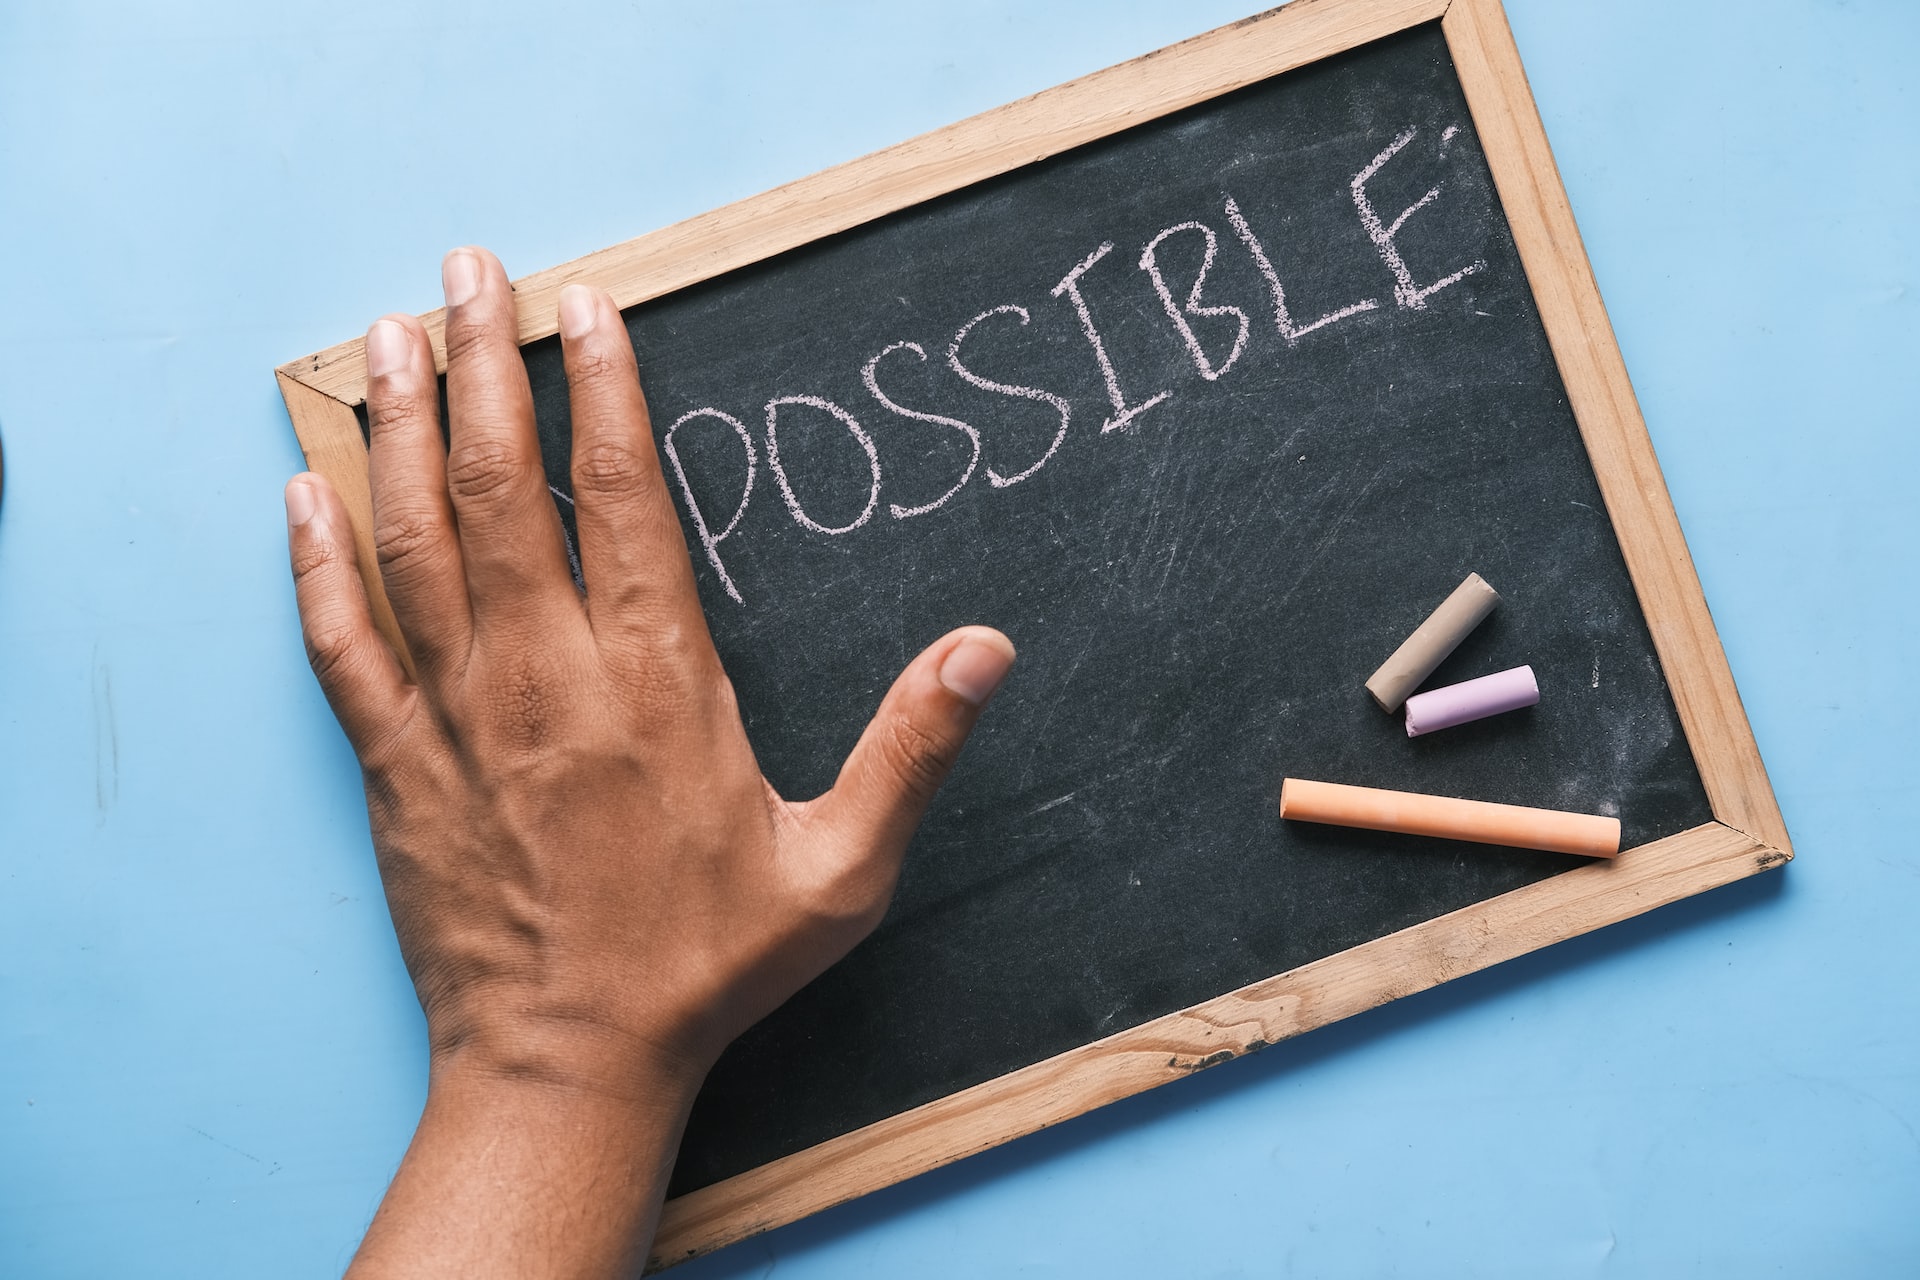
(1136, 767)
(1238, 514)
(1178, 531)
(1327, 538)
(1063, 688)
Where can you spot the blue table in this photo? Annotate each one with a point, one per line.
(210, 1057)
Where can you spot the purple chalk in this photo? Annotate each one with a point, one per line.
(1471, 700)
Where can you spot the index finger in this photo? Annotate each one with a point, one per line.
(631, 550)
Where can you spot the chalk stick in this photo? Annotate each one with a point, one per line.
(1414, 814)
(1431, 642)
(1471, 700)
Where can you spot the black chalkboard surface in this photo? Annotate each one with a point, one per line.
(1285, 331)
(1198, 592)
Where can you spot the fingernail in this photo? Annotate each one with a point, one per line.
(301, 503)
(975, 669)
(579, 310)
(460, 277)
(386, 349)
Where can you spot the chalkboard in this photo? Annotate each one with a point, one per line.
(1198, 594)
(1206, 413)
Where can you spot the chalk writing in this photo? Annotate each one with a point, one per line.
(867, 375)
(967, 375)
(1282, 319)
(1192, 306)
(1181, 311)
(852, 425)
(1405, 292)
(709, 540)
(1123, 413)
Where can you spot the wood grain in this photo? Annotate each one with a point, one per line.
(921, 168)
(1603, 402)
(1176, 1046)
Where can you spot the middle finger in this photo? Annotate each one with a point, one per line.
(510, 534)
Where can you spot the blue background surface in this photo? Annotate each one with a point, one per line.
(210, 1058)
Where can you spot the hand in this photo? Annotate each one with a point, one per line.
(593, 886)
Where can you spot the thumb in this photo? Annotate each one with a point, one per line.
(912, 741)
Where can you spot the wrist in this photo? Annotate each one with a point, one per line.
(548, 1159)
(586, 1063)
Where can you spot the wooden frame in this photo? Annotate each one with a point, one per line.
(1746, 836)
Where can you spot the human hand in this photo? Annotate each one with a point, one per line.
(593, 886)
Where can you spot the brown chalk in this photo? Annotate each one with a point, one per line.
(1414, 814)
(1431, 642)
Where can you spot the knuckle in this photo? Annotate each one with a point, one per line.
(667, 680)
(311, 556)
(683, 659)
(485, 468)
(917, 756)
(399, 410)
(405, 541)
(381, 774)
(598, 368)
(393, 764)
(654, 650)
(656, 685)
(333, 649)
(608, 466)
(466, 337)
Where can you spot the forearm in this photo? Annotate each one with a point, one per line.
(527, 1178)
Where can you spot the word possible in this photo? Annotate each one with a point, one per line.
(1180, 311)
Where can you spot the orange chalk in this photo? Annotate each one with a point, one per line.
(1420, 815)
